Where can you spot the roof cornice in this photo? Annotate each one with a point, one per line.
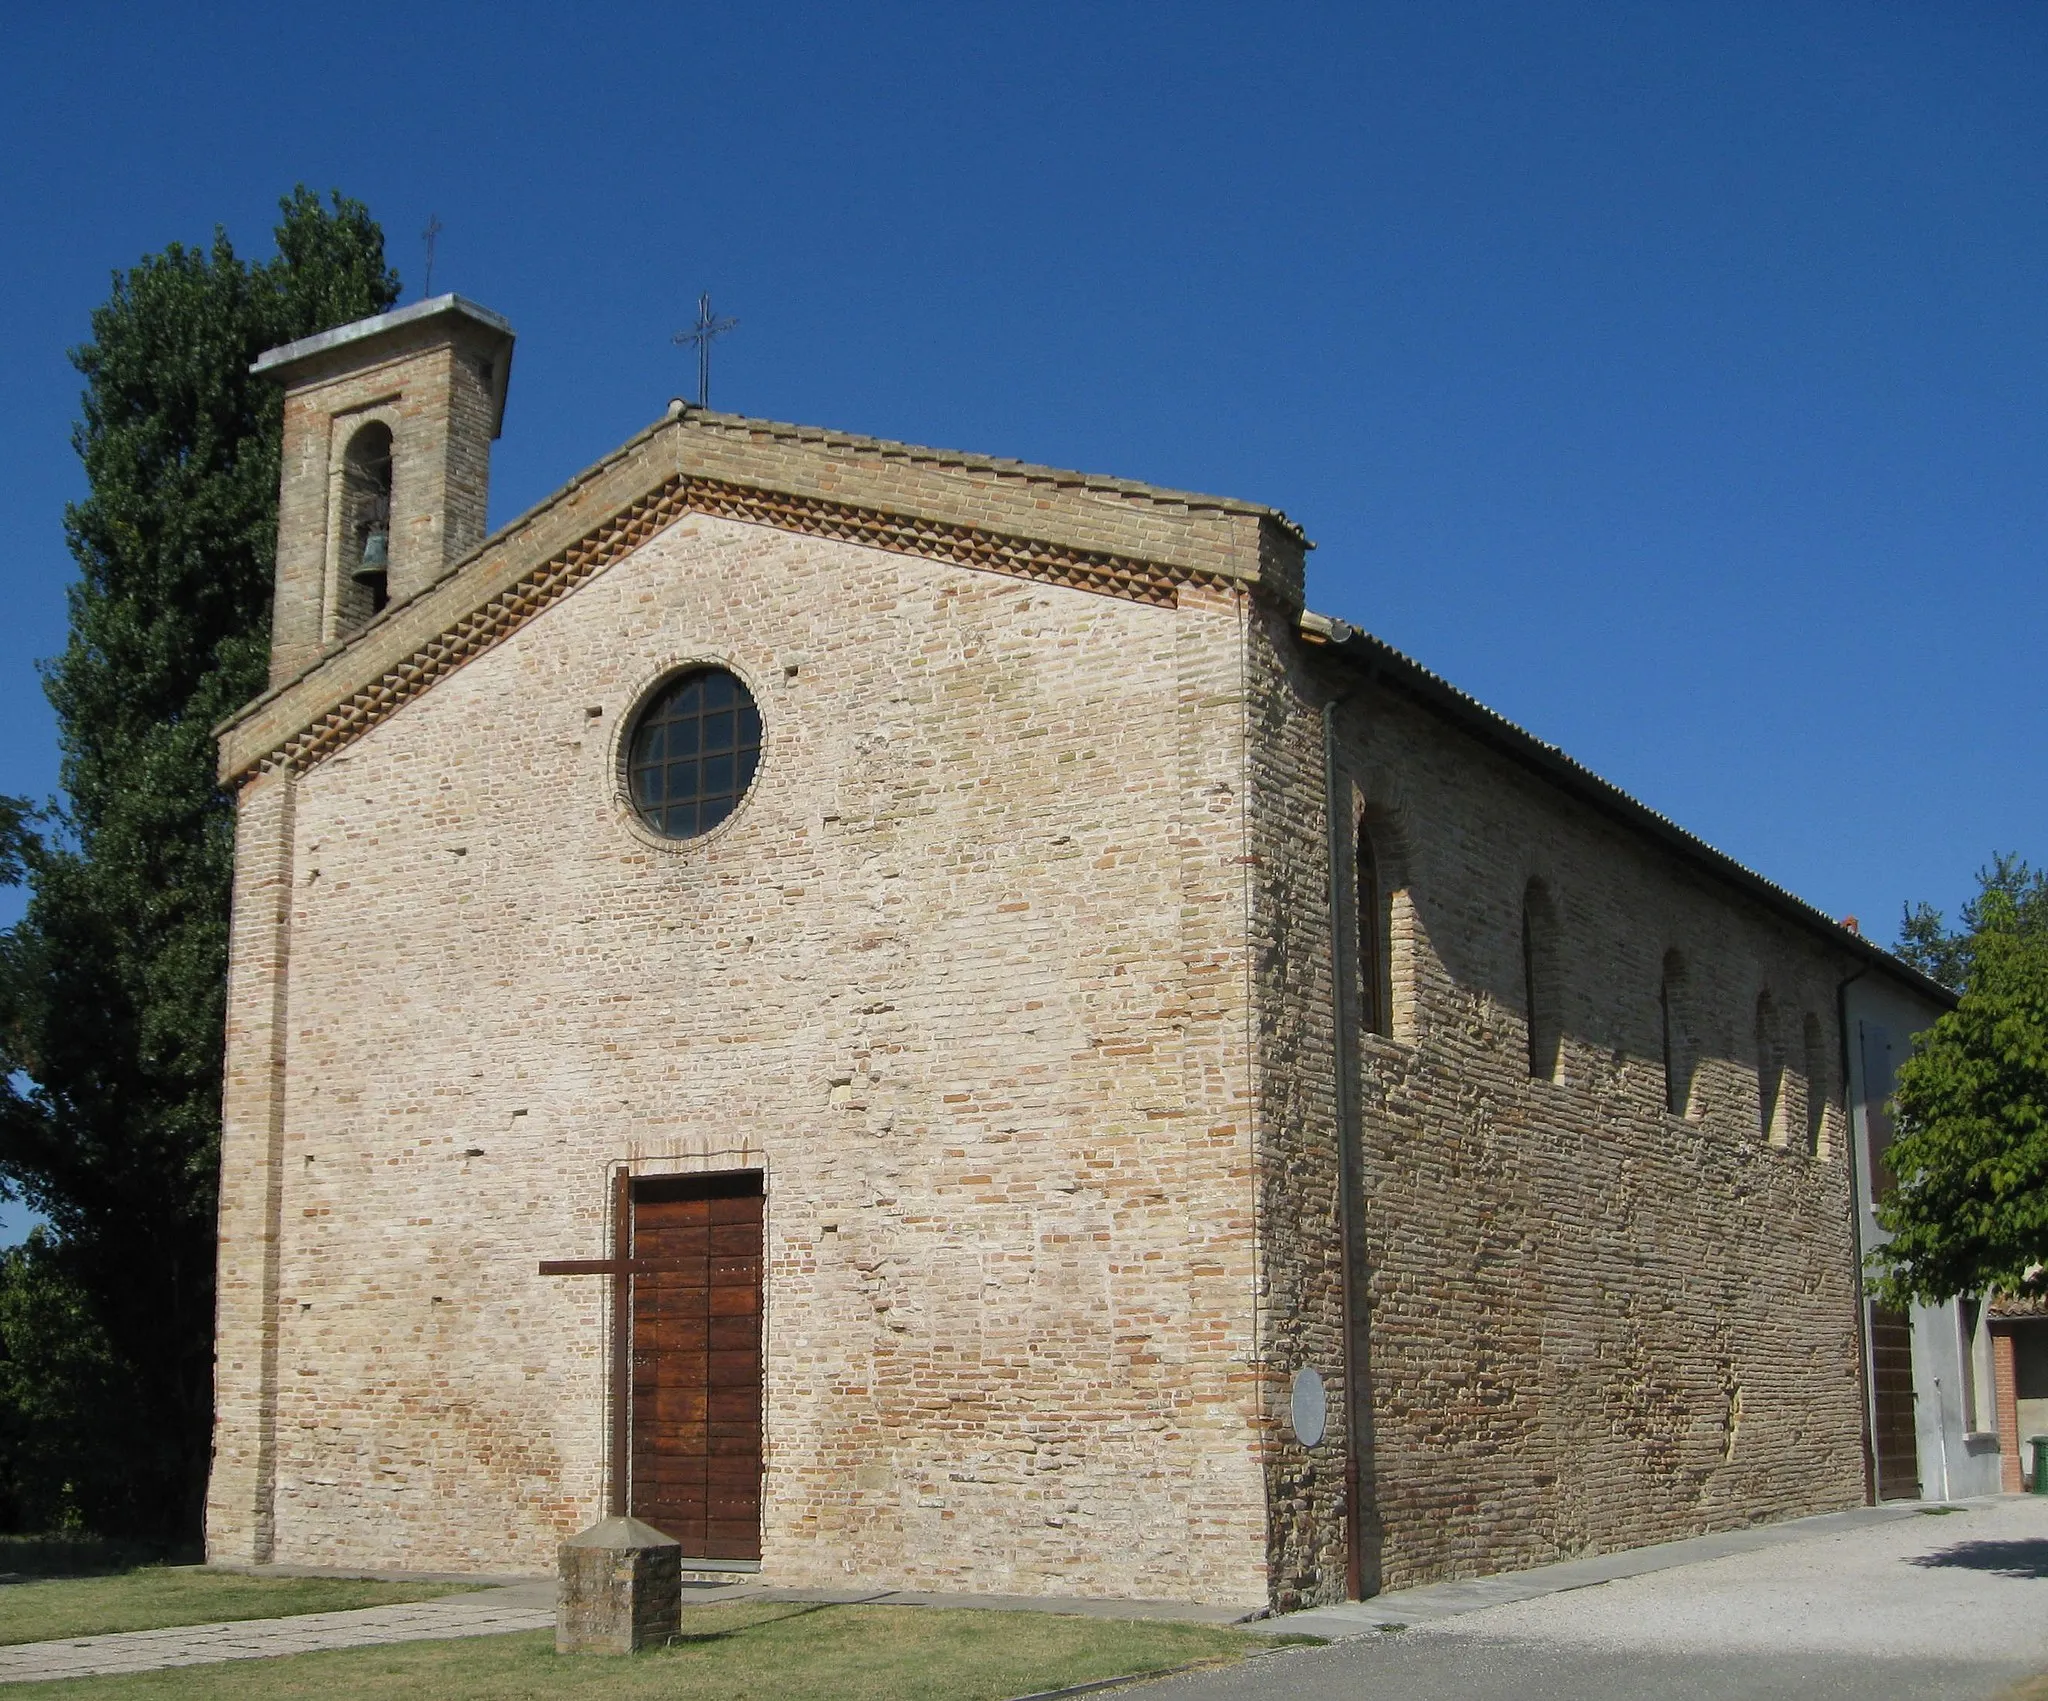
(302, 362)
(1384, 664)
(1136, 543)
(276, 360)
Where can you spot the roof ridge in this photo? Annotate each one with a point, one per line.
(690, 416)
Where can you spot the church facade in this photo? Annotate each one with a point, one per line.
(917, 1019)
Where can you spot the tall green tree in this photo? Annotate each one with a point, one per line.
(112, 987)
(2007, 886)
(1969, 1213)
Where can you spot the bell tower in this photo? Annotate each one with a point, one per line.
(388, 425)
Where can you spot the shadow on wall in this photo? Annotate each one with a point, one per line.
(2003, 1559)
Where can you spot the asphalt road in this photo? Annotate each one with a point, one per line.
(1950, 1607)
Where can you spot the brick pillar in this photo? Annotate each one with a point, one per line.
(621, 1589)
(2005, 1385)
(241, 1490)
(1230, 1394)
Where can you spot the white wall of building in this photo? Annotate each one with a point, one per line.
(1954, 1421)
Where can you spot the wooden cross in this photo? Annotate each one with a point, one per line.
(686, 1256)
(622, 1269)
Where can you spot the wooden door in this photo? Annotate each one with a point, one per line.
(696, 1445)
(1891, 1398)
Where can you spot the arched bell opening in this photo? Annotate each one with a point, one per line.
(364, 585)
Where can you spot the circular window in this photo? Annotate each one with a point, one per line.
(693, 752)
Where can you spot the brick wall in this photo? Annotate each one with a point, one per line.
(1591, 1323)
(2013, 1464)
(965, 976)
(240, 1489)
(1302, 1267)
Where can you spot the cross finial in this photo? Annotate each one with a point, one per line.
(699, 337)
(427, 236)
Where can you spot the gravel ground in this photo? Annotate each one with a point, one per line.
(1937, 1608)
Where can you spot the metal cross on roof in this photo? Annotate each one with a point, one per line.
(699, 337)
(429, 236)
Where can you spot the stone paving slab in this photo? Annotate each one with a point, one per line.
(490, 1612)
(1446, 1600)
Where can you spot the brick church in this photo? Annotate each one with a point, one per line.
(918, 1019)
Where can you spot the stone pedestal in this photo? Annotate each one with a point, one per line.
(621, 1591)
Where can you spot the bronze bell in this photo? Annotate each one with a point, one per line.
(376, 561)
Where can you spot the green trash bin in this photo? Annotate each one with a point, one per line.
(2039, 1443)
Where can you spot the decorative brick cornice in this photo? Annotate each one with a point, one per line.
(966, 546)
(489, 624)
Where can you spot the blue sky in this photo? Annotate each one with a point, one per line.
(1673, 377)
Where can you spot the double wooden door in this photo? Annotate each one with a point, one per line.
(696, 1363)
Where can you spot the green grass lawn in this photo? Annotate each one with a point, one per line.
(757, 1652)
(154, 1597)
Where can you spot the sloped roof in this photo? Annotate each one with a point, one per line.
(1115, 536)
(1380, 661)
(2014, 1307)
(1027, 472)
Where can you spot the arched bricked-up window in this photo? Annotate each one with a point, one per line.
(1816, 1107)
(1375, 940)
(1676, 1043)
(1542, 982)
(362, 584)
(1770, 1068)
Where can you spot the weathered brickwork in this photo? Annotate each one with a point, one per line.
(1302, 1269)
(1591, 1323)
(1018, 975)
(965, 976)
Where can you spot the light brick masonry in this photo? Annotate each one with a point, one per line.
(1013, 974)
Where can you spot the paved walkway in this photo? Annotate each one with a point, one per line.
(1177, 1612)
(490, 1612)
(1895, 1607)
(1405, 1607)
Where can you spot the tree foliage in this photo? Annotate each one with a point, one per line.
(112, 987)
(1926, 942)
(1969, 1213)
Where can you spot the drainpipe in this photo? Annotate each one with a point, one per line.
(1347, 1158)
(1864, 1345)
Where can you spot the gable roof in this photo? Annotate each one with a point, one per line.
(1380, 662)
(1112, 536)
(1115, 537)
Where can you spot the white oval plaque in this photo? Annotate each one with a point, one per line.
(1309, 1407)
